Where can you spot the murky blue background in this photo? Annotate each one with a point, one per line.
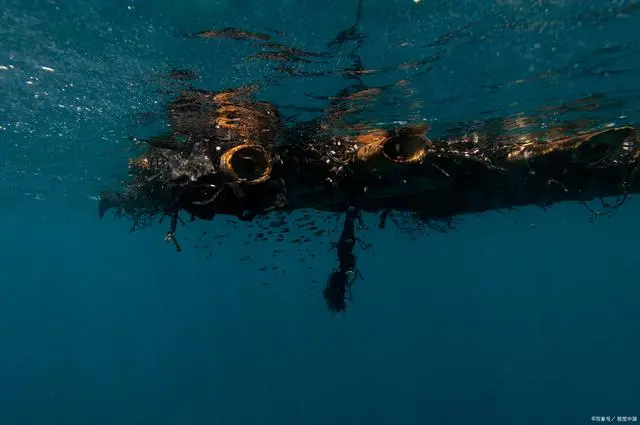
(525, 317)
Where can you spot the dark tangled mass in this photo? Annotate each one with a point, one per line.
(229, 154)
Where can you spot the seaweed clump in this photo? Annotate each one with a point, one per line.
(217, 158)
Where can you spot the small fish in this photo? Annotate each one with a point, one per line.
(182, 75)
(279, 56)
(231, 33)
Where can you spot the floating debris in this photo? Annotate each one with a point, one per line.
(228, 153)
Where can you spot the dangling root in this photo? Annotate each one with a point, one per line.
(170, 237)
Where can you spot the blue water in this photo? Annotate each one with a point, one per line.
(525, 317)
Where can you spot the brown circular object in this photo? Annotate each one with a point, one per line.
(405, 148)
(246, 163)
(398, 148)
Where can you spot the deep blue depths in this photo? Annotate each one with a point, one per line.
(524, 317)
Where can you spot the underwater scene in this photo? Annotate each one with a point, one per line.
(332, 212)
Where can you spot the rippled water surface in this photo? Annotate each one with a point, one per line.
(524, 318)
(77, 73)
